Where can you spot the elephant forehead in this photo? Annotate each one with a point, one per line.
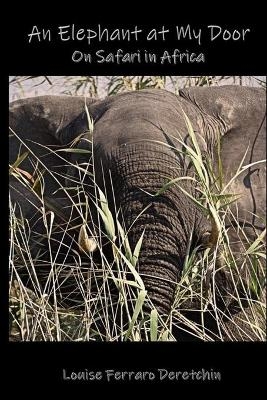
(140, 122)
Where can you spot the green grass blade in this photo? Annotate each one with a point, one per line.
(132, 269)
(106, 215)
(138, 307)
(77, 151)
(170, 183)
(89, 121)
(154, 325)
(165, 336)
(192, 135)
(137, 249)
(254, 246)
(125, 242)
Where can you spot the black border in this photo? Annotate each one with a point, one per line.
(222, 57)
(42, 363)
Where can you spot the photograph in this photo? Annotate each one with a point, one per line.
(137, 208)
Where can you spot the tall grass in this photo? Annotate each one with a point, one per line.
(105, 290)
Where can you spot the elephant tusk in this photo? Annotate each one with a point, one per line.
(86, 243)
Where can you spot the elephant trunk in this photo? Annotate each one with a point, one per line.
(167, 219)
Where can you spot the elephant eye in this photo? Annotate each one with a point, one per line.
(206, 236)
(204, 241)
(199, 243)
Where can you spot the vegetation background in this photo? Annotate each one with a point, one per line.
(101, 86)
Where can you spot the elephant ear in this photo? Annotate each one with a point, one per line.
(79, 123)
(230, 104)
(81, 131)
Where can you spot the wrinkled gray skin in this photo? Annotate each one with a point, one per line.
(125, 127)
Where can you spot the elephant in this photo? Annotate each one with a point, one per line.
(138, 145)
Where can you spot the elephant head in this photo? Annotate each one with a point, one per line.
(136, 152)
(138, 148)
